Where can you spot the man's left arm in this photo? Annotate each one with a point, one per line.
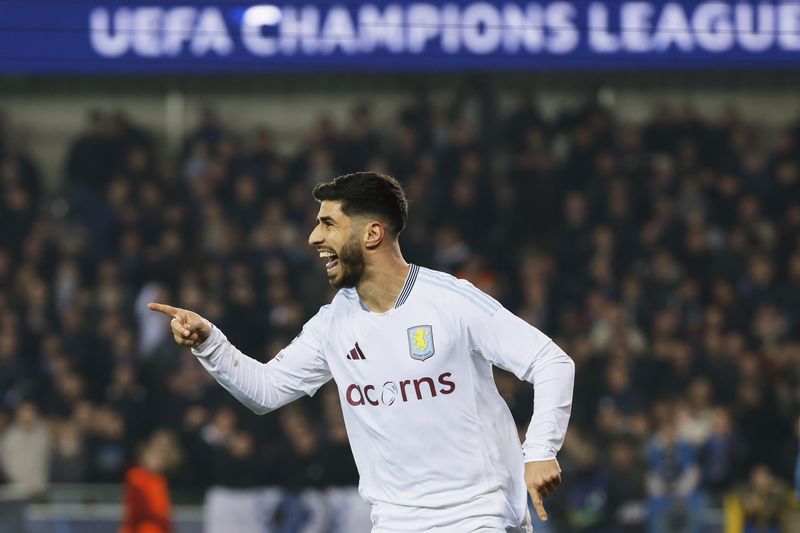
(514, 345)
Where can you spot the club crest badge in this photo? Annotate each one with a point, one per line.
(420, 342)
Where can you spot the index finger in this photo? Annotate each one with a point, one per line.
(538, 505)
(163, 308)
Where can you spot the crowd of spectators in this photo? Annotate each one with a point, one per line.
(664, 257)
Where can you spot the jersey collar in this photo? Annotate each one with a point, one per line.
(411, 277)
(413, 270)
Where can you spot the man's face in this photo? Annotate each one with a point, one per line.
(337, 240)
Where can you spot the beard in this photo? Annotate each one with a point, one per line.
(351, 262)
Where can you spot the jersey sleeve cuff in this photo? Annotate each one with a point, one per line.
(537, 453)
(208, 346)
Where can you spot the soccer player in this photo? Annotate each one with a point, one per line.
(146, 500)
(411, 350)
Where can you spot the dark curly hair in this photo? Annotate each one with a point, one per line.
(368, 193)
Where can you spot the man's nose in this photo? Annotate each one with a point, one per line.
(314, 239)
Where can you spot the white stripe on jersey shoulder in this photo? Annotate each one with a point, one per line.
(464, 288)
(466, 285)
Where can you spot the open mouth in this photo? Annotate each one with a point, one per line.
(331, 259)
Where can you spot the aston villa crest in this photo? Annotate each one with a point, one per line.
(420, 342)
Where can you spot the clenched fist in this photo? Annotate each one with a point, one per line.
(188, 328)
(541, 478)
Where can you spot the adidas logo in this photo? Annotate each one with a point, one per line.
(356, 353)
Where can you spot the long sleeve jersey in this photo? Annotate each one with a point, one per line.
(428, 429)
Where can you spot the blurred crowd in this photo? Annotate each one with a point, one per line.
(664, 257)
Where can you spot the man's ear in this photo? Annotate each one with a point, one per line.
(374, 233)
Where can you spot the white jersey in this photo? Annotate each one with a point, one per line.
(435, 444)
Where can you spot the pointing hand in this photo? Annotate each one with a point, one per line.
(541, 477)
(188, 328)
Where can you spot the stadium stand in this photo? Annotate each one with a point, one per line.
(664, 257)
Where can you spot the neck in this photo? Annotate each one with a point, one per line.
(382, 281)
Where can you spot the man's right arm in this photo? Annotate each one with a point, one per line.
(298, 369)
